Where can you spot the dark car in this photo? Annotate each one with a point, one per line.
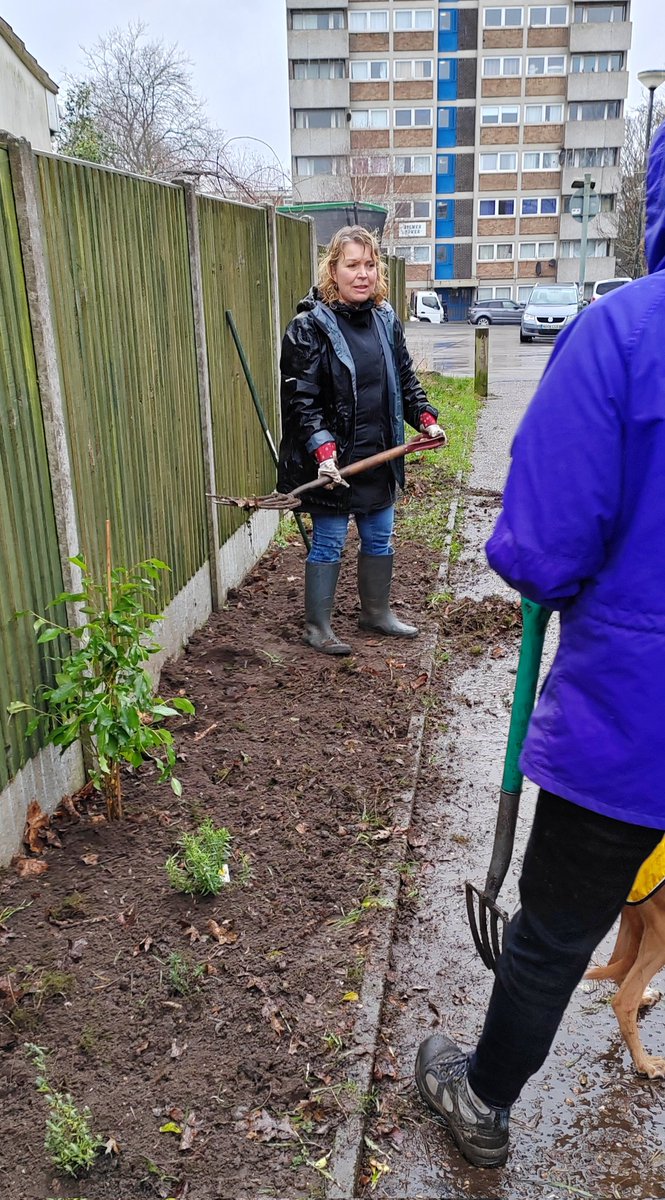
(495, 312)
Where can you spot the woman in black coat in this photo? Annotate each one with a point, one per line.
(347, 384)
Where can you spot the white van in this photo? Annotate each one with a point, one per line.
(426, 306)
(608, 285)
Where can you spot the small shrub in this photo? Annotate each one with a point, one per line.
(70, 1143)
(201, 865)
(184, 977)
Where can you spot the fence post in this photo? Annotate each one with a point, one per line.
(271, 212)
(28, 215)
(205, 405)
(482, 362)
(314, 250)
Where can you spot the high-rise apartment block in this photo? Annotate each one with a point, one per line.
(471, 122)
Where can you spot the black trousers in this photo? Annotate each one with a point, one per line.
(578, 869)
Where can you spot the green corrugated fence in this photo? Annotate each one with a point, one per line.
(294, 264)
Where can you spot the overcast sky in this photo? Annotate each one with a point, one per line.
(237, 48)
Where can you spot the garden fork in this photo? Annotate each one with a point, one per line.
(486, 919)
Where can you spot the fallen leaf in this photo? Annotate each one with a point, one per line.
(67, 806)
(264, 1128)
(111, 1147)
(171, 1127)
(191, 932)
(498, 652)
(142, 1047)
(144, 945)
(28, 868)
(90, 860)
(198, 737)
(36, 823)
(270, 1012)
(98, 819)
(309, 999)
(351, 997)
(9, 995)
(127, 916)
(76, 948)
(253, 981)
(419, 681)
(225, 937)
(302, 827)
(176, 1050)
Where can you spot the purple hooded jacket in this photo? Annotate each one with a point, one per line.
(583, 530)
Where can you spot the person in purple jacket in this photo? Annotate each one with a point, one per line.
(582, 531)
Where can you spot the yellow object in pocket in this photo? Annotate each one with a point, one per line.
(650, 876)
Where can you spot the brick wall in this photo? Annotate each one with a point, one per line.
(466, 125)
(370, 139)
(528, 269)
(548, 37)
(467, 69)
(502, 87)
(548, 225)
(422, 138)
(464, 173)
(499, 135)
(544, 133)
(495, 270)
(546, 85)
(370, 91)
(503, 39)
(420, 40)
(467, 29)
(414, 89)
(541, 181)
(370, 43)
(464, 217)
(500, 181)
(499, 228)
(462, 260)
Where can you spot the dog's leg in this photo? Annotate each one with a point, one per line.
(650, 959)
(626, 948)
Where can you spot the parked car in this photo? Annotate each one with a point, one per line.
(495, 312)
(549, 307)
(426, 306)
(608, 285)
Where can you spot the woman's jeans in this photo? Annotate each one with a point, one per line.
(578, 869)
(329, 534)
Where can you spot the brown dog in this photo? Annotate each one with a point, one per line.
(638, 955)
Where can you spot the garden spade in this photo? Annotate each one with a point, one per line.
(486, 918)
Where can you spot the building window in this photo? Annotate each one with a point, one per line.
(546, 64)
(596, 248)
(414, 210)
(595, 64)
(494, 293)
(321, 165)
(320, 118)
(496, 208)
(498, 162)
(500, 114)
(543, 114)
(413, 164)
(321, 19)
(408, 19)
(598, 14)
(498, 18)
(369, 118)
(607, 202)
(596, 156)
(523, 293)
(540, 160)
(364, 70)
(414, 68)
(443, 164)
(529, 250)
(539, 206)
(414, 254)
(594, 110)
(405, 118)
(318, 68)
(370, 164)
(548, 14)
(368, 20)
(495, 251)
(506, 68)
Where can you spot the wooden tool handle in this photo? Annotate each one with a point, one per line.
(421, 442)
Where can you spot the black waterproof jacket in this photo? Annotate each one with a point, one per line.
(318, 395)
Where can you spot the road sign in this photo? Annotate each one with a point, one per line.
(577, 206)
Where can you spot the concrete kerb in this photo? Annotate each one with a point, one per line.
(347, 1152)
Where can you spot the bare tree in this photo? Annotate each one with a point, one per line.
(140, 104)
(630, 206)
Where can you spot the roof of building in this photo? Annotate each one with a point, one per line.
(26, 58)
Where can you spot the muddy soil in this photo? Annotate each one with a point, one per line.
(229, 1089)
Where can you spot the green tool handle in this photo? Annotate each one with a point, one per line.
(534, 626)
(260, 414)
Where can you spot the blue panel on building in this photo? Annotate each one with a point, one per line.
(446, 127)
(447, 30)
(445, 218)
(447, 81)
(444, 260)
(445, 174)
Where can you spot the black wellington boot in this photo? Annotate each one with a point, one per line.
(375, 573)
(320, 584)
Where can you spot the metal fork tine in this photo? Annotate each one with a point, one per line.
(496, 932)
(486, 922)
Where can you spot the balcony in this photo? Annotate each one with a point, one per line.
(602, 226)
(319, 93)
(607, 179)
(606, 85)
(305, 142)
(596, 38)
(568, 269)
(595, 133)
(318, 43)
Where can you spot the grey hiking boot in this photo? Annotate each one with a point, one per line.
(320, 585)
(375, 574)
(480, 1130)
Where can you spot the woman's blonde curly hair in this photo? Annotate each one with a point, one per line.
(332, 254)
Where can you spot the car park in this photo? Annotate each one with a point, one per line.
(426, 306)
(605, 286)
(495, 312)
(550, 307)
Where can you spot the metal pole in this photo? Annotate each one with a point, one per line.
(642, 197)
(585, 233)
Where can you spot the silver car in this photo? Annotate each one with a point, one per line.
(549, 307)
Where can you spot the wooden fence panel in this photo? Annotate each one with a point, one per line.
(30, 575)
(236, 276)
(294, 264)
(119, 268)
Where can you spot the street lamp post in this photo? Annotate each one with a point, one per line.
(651, 80)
